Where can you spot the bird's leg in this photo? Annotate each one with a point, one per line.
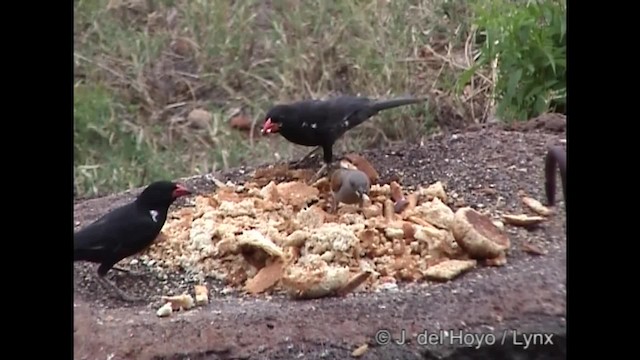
(328, 158)
(299, 162)
(102, 271)
(334, 204)
(127, 271)
(319, 173)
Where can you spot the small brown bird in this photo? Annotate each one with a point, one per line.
(349, 186)
(556, 157)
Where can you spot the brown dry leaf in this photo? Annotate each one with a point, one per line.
(361, 350)
(240, 122)
(267, 277)
(449, 269)
(354, 282)
(396, 191)
(477, 235)
(522, 220)
(532, 249)
(536, 206)
(363, 165)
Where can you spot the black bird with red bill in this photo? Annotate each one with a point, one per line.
(321, 123)
(126, 231)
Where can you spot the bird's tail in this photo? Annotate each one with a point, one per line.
(556, 157)
(388, 104)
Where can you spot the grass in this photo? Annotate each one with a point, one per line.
(141, 67)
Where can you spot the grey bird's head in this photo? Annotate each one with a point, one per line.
(360, 185)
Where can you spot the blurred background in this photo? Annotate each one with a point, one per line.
(172, 88)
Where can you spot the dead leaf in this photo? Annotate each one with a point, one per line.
(354, 282)
(360, 350)
(265, 278)
(396, 191)
(363, 165)
(536, 206)
(532, 249)
(522, 219)
(240, 122)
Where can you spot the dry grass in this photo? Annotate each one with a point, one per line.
(142, 66)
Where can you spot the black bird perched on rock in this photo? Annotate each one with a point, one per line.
(556, 157)
(127, 230)
(321, 123)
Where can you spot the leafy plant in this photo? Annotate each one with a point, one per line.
(526, 42)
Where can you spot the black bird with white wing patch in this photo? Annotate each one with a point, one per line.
(127, 230)
(322, 122)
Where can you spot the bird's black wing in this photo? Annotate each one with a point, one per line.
(344, 113)
(123, 230)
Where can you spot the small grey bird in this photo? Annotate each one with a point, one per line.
(349, 186)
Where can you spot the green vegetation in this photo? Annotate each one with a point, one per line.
(141, 67)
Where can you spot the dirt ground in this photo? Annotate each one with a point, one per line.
(489, 166)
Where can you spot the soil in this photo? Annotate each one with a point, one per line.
(490, 167)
